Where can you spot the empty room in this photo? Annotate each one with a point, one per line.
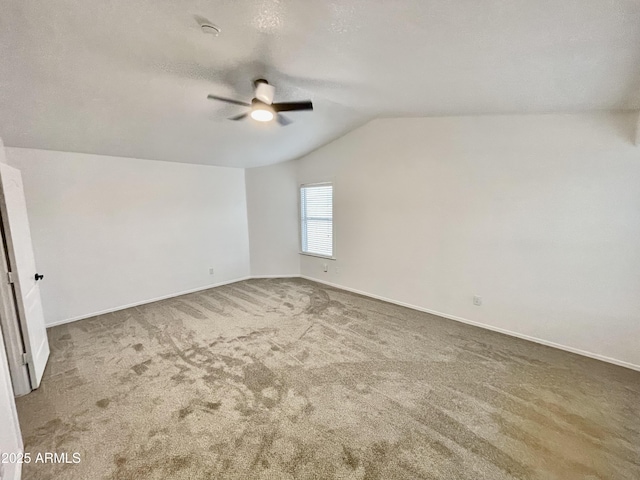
(355, 240)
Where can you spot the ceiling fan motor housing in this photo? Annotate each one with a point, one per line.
(264, 91)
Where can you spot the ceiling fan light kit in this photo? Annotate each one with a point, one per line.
(262, 107)
(262, 114)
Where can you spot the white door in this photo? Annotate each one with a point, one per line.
(13, 209)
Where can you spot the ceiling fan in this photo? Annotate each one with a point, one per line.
(262, 107)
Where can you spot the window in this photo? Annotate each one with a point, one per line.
(316, 222)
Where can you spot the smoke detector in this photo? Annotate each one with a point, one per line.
(210, 29)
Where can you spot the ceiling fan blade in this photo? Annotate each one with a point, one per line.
(242, 116)
(228, 100)
(282, 120)
(292, 106)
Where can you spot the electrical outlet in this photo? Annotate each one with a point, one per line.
(337, 270)
(211, 271)
(477, 301)
(325, 267)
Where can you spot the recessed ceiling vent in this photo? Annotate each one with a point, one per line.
(210, 29)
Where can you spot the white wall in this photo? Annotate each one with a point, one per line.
(539, 215)
(273, 219)
(110, 232)
(10, 437)
(3, 157)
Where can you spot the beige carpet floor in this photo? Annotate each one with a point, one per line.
(288, 379)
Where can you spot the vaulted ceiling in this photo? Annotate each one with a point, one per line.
(130, 77)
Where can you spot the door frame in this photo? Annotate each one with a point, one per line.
(10, 324)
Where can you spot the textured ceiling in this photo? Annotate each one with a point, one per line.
(130, 77)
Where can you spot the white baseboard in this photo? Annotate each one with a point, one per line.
(144, 302)
(295, 275)
(511, 333)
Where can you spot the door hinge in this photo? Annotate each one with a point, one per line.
(26, 359)
(11, 277)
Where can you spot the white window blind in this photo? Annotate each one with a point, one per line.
(316, 208)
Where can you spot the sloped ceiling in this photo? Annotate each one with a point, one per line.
(130, 77)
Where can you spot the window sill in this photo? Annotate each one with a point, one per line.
(317, 255)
